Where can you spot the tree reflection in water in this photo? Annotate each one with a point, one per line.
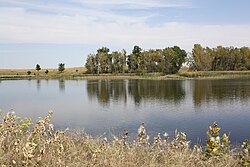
(104, 90)
(220, 90)
(118, 90)
(61, 83)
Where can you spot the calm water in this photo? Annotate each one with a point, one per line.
(104, 107)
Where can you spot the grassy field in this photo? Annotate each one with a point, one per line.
(80, 72)
(52, 72)
(24, 143)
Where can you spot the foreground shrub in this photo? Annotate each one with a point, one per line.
(23, 143)
(214, 145)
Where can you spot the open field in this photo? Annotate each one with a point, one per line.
(80, 73)
(52, 71)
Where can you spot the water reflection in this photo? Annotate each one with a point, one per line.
(38, 84)
(61, 83)
(104, 90)
(139, 90)
(220, 90)
(156, 90)
(162, 105)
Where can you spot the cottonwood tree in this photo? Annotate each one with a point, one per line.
(91, 64)
(61, 67)
(220, 58)
(168, 60)
(104, 60)
(134, 59)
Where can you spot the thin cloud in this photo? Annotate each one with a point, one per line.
(139, 4)
(85, 25)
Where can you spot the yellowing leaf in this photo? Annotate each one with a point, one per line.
(217, 129)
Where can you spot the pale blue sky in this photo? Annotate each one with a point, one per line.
(52, 31)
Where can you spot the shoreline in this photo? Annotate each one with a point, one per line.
(80, 73)
(117, 77)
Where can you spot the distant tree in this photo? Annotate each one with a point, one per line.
(38, 67)
(179, 59)
(91, 64)
(219, 58)
(134, 59)
(61, 67)
(104, 60)
(28, 72)
(46, 71)
(116, 62)
(122, 60)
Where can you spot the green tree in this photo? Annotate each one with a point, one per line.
(118, 61)
(91, 64)
(122, 60)
(220, 58)
(46, 71)
(174, 57)
(245, 58)
(197, 54)
(104, 60)
(178, 59)
(61, 67)
(168, 54)
(151, 61)
(134, 59)
(38, 67)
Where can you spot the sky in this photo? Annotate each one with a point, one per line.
(48, 32)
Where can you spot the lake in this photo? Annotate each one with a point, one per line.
(104, 107)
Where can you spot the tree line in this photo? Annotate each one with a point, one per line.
(168, 60)
(219, 58)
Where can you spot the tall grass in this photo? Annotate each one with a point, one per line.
(214, 74)
(24, 143)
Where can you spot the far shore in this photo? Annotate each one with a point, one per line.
(80, 73)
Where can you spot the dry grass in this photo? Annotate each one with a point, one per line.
(184, 72)
(80, 72)
(52, 71)
(25, 144)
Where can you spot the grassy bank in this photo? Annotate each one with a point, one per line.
(76, 73)
(25, 144)
(33, 74)
(214, 74)
(80, 73)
